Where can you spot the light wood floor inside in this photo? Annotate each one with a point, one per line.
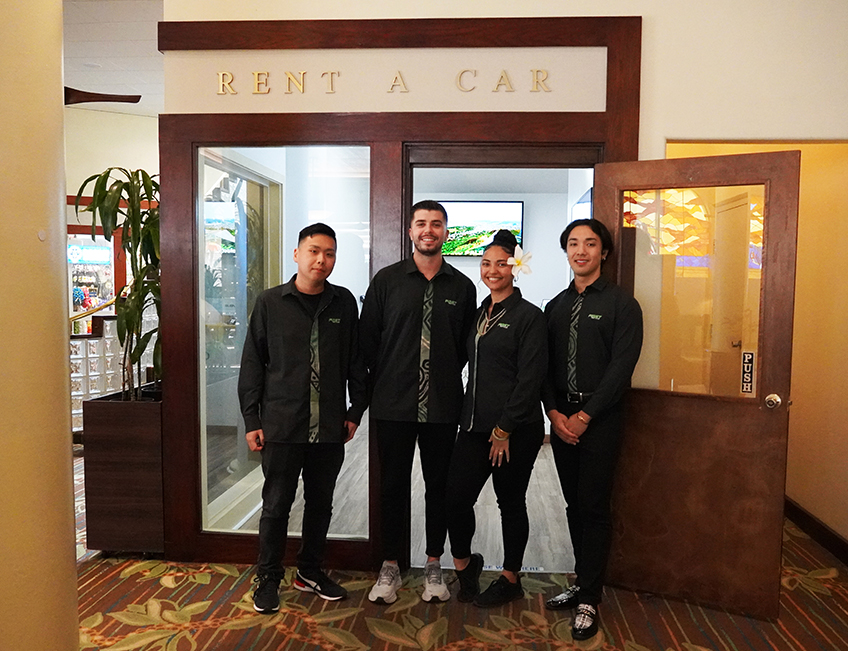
(549, 547)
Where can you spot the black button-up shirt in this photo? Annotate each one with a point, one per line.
(609, 340)
(391, 331)
(275, 389)
(506, 366)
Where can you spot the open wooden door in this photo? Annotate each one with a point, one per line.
(707, 245)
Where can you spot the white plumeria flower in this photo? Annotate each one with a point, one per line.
(519, 262)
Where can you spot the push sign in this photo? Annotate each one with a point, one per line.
(747, 372)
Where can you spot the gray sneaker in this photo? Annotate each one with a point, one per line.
(434, 585)
(387, 586)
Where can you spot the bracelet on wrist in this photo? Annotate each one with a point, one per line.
(581, 419)
(499, 435)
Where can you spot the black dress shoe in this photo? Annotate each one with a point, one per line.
(585, 622)
(469, 579)
(566, 600)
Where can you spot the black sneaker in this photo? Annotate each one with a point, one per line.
(501, 591)
(469, 579)
(585, 624)
(565, 600)
(316, 581)
(266, 596)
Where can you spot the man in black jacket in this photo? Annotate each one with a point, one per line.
(594, 341)
(415, 319)
(300, 354)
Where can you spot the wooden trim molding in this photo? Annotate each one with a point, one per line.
(470, 129)
(817, 530)
(71, 200)
(552, 155)
(397, 33)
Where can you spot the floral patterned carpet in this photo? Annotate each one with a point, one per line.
(153, 605)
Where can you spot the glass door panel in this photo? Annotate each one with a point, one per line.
(698, 256)
(253, 203)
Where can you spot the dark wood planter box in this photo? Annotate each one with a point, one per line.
(123, 474)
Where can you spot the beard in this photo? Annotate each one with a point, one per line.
(436, 250)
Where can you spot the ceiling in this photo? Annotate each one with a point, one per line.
(111, 47)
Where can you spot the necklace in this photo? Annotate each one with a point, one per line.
(485, 322)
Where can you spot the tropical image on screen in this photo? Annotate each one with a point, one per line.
(473, 224)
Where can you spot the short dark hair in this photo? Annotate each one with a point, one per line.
(428, 204)
(504, 239)
(597, 227)
(315, 229)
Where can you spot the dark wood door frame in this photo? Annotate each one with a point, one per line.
(484, 136)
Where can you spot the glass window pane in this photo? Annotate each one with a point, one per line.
(90, 271)
(698, 264)
(253, 202)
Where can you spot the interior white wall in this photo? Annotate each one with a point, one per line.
(546, 212)
(95, 140)
(723, 70)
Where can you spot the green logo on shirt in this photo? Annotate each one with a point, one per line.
(450, 302)
(335, 320)
(596, 317)
(503, 325)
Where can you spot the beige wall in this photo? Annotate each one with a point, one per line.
(95, 140)
(817, 473)
(729, 70)
(721, 70)
(37, 577)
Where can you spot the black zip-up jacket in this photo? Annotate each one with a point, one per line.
(609, 340)
(274, 386)
(506, 367)
(391, 340)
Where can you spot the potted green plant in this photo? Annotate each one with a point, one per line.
(122, 433)
(130, 203)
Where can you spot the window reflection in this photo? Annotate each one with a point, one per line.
(698, 265)
(252, 203)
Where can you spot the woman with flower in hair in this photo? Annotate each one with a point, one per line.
(502, 427)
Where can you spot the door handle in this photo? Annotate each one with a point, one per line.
(773, 401)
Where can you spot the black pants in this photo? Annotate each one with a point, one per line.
(396, 446)
(470, 469)
(282, 464)
(586, 473)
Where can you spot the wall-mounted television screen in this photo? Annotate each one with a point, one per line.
(473, 224)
